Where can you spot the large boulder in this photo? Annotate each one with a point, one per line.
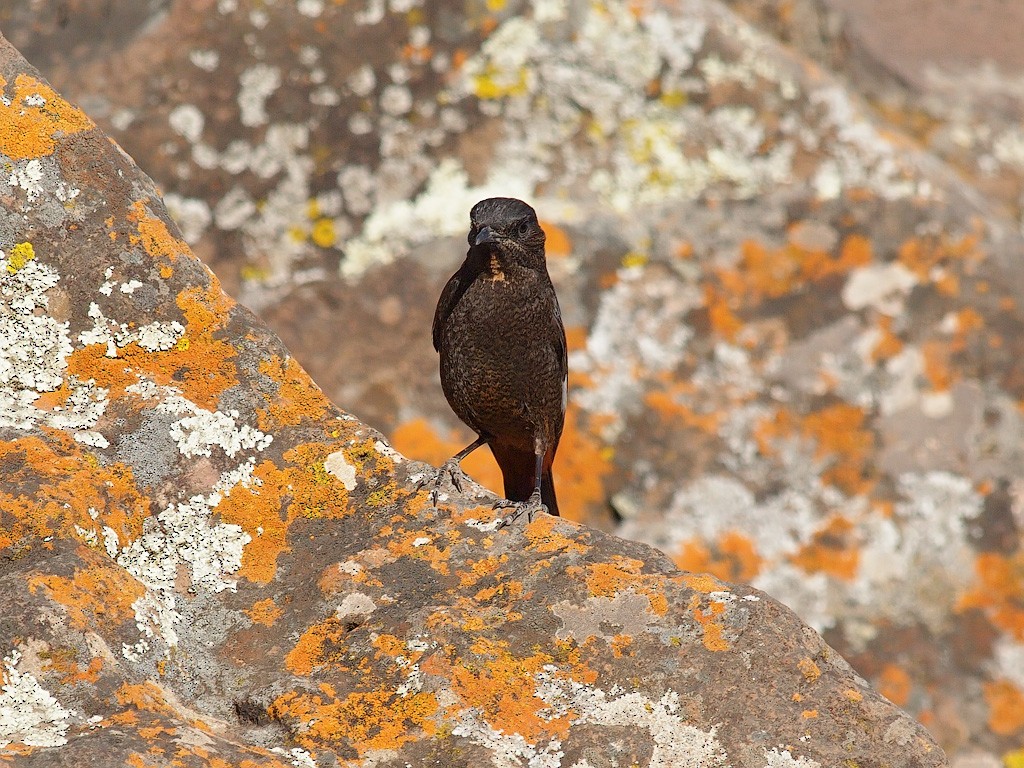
(791, 272)
(204, 562)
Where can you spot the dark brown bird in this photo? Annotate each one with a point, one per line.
(503, 358)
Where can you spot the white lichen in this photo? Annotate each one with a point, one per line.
(781, 758)
(257, 83)
(198, 433)
(338, 465)
(29, 714)
(187, 121)
(153, 337)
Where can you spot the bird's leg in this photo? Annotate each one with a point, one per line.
(532, 505)
(452, 469)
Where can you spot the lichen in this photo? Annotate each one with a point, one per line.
(29, 714)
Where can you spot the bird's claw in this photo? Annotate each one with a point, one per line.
(530, 508)
(454, 473)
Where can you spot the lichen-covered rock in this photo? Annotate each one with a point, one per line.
(205, 563)
(792, 294)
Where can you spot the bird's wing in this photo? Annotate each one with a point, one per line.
(561, 350)
(450, 296)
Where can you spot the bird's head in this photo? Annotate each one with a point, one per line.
(508, 229)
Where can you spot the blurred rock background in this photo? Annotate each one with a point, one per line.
(786, 237)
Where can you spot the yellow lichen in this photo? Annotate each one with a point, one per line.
(324, 233)
(21, 254)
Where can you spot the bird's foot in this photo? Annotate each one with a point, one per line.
(453, 472)
(530, 508)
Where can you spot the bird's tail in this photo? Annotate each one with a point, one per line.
(517, 470)
(547, 491)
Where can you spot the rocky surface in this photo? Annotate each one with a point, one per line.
(790, 273)
(205, 563)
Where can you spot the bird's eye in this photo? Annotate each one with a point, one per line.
(524, 229)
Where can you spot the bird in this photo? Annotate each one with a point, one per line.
(503, 363)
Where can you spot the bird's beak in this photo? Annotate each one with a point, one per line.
(485, 235)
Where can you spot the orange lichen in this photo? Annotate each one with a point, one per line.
(621, 646)
(154, 235)
(315, 492)
(257, 509)
(367, 720)
(723, 320)
(666, 403)
(265, 612)
(62, 661)
(558, 241)
(713, 631)
(839, 434)
(769, 273)
(733, 557)
(1000, 591)
(809, 669)
(297, 397)
(582, 465)
(411, 544)
(889, 345)
(703, 582)
(267, 507)
(323, 644)
(52, 487)
(921, 255)
(937, 369)
(470, 615)
(199, 365)
(809, 714)
(99, 594)
(33, 117)
(895, 684)
(146, 696)
(620, 575)
(478, 569)
(967, 321)
(1005, 707)
(833, 550)
(545, 539)
(502, 687)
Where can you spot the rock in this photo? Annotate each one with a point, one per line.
(204, 562)
(791, 273)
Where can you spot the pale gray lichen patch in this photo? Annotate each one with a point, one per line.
(626, 611)
(675, 741)
(184, 534)
(621, 357)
